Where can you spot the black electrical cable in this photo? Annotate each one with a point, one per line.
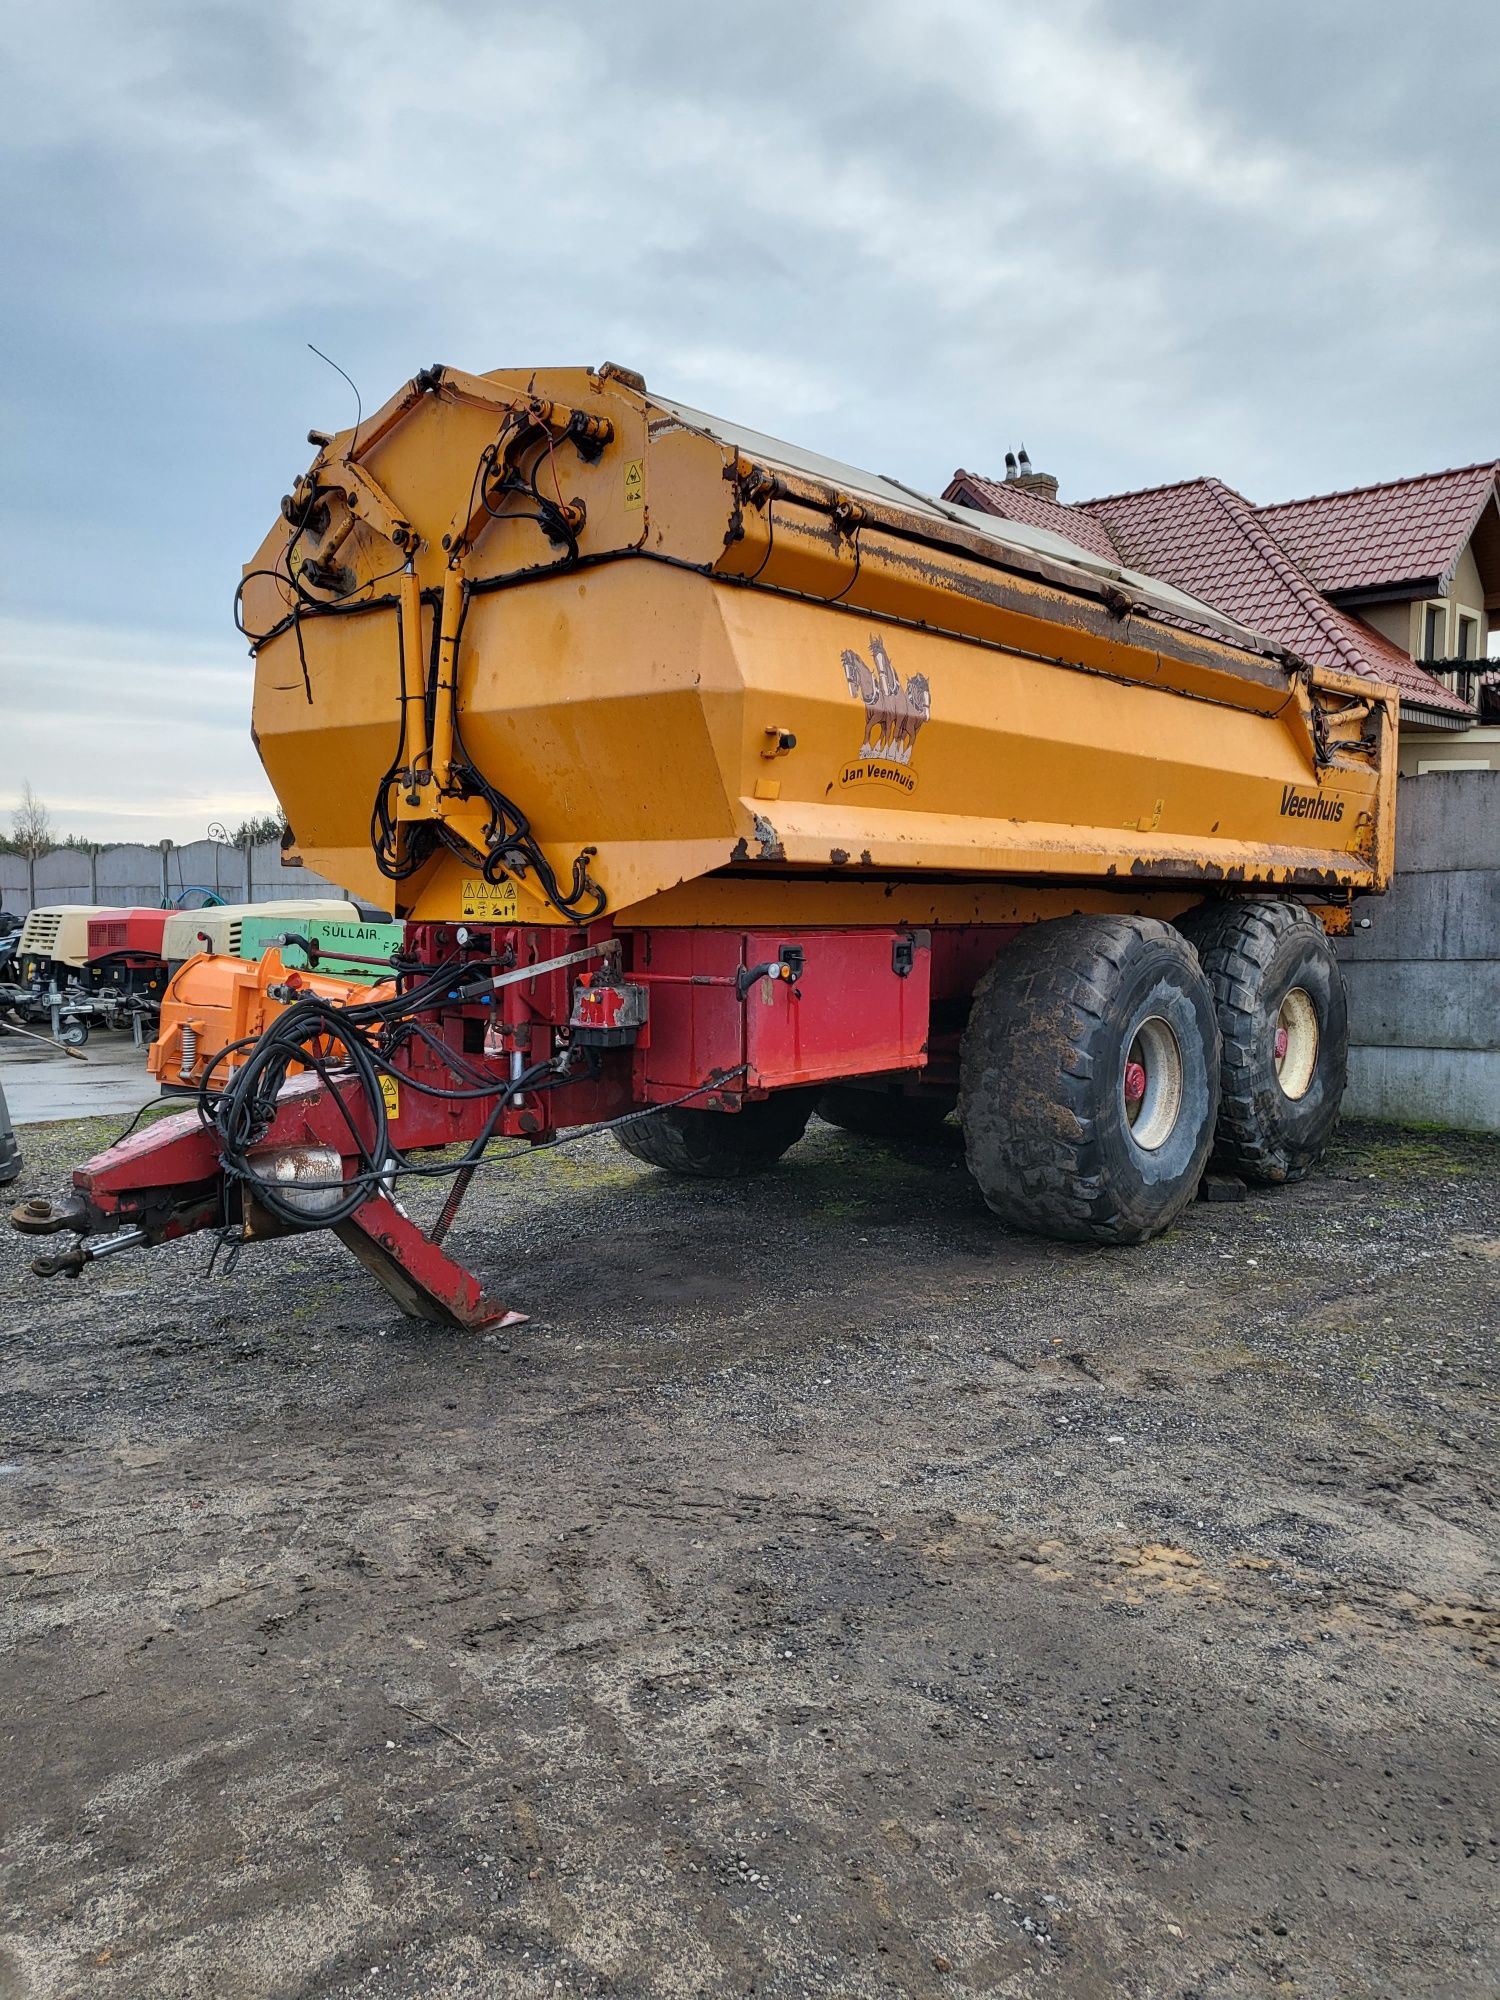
(151, 1104)
(256, 639)
(302, 656)
(205, 1088)
(306, 1036)
(359, 401)
(716, 1081)
(415, 1030)
(359, 1186)
(509, 838)
(343, 1043)
(431, 991)
(480, 1088)
(243, 1112)
(561, 526)
(386, 839)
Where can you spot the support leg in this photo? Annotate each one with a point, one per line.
(424, 1282)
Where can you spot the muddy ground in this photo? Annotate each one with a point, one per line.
(825, 1593)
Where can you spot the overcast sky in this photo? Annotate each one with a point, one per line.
(1150, 239)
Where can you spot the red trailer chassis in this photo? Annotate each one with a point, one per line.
(611, 1025)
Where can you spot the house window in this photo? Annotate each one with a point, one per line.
(1467, 647)
(1435, 632)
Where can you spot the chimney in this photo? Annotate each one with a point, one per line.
(1041, 483)
(1010, 465)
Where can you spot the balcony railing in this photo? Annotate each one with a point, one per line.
(1471, 680)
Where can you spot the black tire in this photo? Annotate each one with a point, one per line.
(886, 1111)
(73, 1034)
(1276, 1114)
(10, 1147)
(720, 1145)
(1056, 1023)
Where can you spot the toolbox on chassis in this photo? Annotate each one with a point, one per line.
(715, 782)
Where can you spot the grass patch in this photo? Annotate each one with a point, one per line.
(1407, 1157)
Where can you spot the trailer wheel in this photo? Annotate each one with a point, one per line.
(720, 1145)
(1089, 1079)
(885, 1111)
(1283, 1024)
(73, 1034)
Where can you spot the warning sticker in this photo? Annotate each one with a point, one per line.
(490, 902)
(390, 1090)
(635, 483)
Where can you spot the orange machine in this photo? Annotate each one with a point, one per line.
(214, 1003)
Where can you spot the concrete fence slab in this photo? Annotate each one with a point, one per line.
(1455, 1088)
(134, 876)
(1424, 980)
(1425, 1004)
(1448, 913)
(1448, 819)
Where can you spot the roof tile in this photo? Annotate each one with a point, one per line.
(1269, 567)
(1208, 539)
(1405, 531)
(1017, 503)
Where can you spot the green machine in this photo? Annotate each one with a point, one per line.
(345, 946)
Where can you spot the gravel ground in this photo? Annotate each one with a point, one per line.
(825, 1593)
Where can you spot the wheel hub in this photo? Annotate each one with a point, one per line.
(1151, 1084)
(1294, 1043)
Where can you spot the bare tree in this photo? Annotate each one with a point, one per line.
(31, 825)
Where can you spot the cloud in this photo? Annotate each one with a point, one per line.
(1149, 242)
(1067, 78)
(127, 734)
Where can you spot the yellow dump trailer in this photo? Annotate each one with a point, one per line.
(724, 679)
(716, 781)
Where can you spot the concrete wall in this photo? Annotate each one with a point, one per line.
(1424, 979)
(146, 877)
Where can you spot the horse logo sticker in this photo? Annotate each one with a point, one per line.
(894, 713)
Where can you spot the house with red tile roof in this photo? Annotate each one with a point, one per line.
(1398, 582)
